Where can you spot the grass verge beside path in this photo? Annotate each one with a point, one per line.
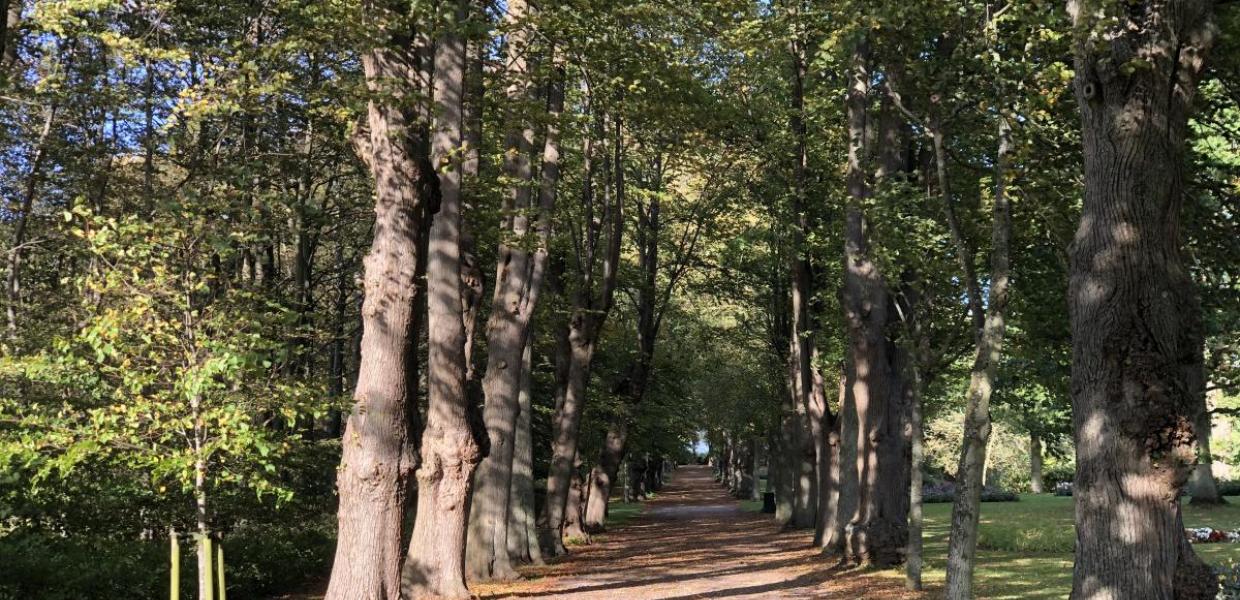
(1025, 548)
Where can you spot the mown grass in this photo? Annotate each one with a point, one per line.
(751, 505)
(1025, 548)
(619, 513)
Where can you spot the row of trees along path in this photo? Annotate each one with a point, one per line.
(693, 540)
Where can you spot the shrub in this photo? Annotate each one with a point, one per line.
(260, 563)
(993, 495)
(1229, 580)
(943, 492)
(1057, 472)
(938, 493)
(58, 568)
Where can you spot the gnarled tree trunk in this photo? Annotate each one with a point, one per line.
(377, 453)
(604, 474)
(451, 446)
(1137, 356)
(518, 281)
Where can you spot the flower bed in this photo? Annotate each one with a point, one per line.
(1209, 535)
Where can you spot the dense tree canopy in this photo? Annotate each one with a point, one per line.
(392, 296)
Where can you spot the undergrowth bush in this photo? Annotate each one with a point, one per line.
(1229, 580)
(944, 492)
(37, 565)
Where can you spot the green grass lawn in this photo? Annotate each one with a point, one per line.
(1025, 548)
(619, 513)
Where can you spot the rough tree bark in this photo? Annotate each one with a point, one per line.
(518, 281)
(1137, 350)
(877, 532)
(826, 459)
(966, 509)
(840, 498)
(575, 507)
(451, 443)
(522, 532)
(590, 309)
(913, 355)
(377, 456)
(601, 477)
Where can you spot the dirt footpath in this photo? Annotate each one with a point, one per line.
(694, 541)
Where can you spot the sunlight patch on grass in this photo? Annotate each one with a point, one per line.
(1025, 548)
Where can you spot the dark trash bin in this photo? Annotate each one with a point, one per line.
(768, 503)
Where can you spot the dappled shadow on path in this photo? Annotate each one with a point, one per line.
(694, 541)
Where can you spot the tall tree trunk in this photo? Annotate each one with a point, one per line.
(811, 456)
(778, 471)
(757, 459)
(522, 514)
(779, 437)
(1036, 484)
(604, 474)
(451, 448)
(797, 509)
(377, 456)
(966, 509)
(566, 425)
(917, 461)
(877, 532)
(548, 535)
(519, 274)
(336, 364)
(611, 455)
(841, 471)
(522, 533)
(1137, 357)
(575, 508)
(590, 309)
(825, 458)
(17, 248)
(790, 447)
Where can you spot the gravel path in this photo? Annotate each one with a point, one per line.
(694, 541)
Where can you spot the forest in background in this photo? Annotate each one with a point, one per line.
(307, 276)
